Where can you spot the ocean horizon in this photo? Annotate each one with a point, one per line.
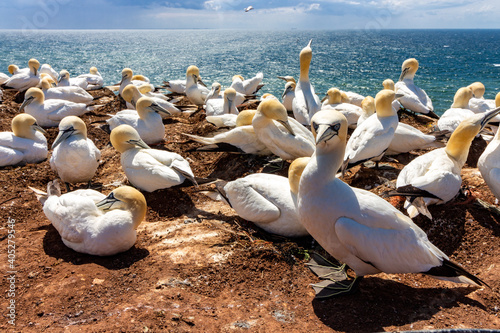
(355, 60)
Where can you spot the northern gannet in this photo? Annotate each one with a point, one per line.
(372, 137)
(24, 80)
(217, 107)
(93, 78)
(47, 69)
(288, 95)
(70, 93)
(406, 137)
(148, 169)
(196, 93)
(334, 102)
(435, 176)
(248, 86)
(75, 157)
(266, 200)
(414, 98)
(489, 165)
(25, 144)
(127, 75)
(458, 111)
(306, 103)
(48, 113)
(214, 92)
(146, 120)
(3, 78)
(90, 222)
(131, 94)
(283, 136)
(242, 138)
(146, 90)
(352, 98)
(389, 84)
(478, 103)
(356, 226)
(66, 81)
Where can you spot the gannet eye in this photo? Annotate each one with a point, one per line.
(336, 127)
(315, 126)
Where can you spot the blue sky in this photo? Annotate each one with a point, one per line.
(229, 14)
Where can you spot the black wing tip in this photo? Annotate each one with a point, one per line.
(451, 269)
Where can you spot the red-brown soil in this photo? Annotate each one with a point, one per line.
(198, 267)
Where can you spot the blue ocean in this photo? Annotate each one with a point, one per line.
(350, 60)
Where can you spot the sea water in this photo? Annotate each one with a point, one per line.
(351, 60)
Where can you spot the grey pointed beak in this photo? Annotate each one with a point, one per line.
(201, 82)
(139, 143)
(63, 135)
(403, 73)
(158, 109)
(26, 103)
(39, 129)
(287, 90)
(287, 126)
(325, 133)
(488, 116)
(324, 98)
(398, 96)
(107, 203)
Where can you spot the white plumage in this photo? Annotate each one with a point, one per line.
(75, 157)
(22, 80)
(93, 78)
(65, 80)
(25, 144)
(148, 169)
(90, 222)
(48, 113)
(458, 111)
(196, 93)
(70, 93)
(227, 105)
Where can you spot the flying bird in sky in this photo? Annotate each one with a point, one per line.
(249, 8)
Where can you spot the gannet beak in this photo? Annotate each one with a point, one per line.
(63, 135)
(201, 82)
(158, 109)
(309, 44)
(326, 132)
(106, 203)
(39, 129)
(36, 71)
(324, 98)
(26, 103)
(281, 77)
(139, 143)
(287, 90)
(397, 96)
(403, 73)
(230, 104)
(133, 102)
(488, 116)
(287, 126)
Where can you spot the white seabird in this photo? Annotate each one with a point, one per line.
(65, 80)
(25, 144)
(90, 222)
(306, 103)
(435, 176)
(334, 102)
(372, 137)
(131, 94)
(218, 107)
(146, 120)
(93, 78)
(148, 169)
(48, 113)
(24, 80)
(358, 227)
(283, 136)
(75, 157)
(414, 98)
(196, 93)
(70, 93)
(458, 111)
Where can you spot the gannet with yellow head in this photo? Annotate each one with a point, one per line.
(334, 102)
(306, 103)
(414, 98)
(196, 93)
(90, 222)
(283, 135)
(25, 144)
(146, 120)
(435, 176)
(70, 93)
(148, 169)
(93, 78)
(131, 94)
(23, 79)
(478, 103)
(356, 226)
(48, 113)
(266, 200)
(458, 111)
(217, 107)
(75, 157)
(241, 139)
(65, 80)
(372, 137)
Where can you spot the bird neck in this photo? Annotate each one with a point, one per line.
(305, 62)
(458, 147)
(328, 160)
